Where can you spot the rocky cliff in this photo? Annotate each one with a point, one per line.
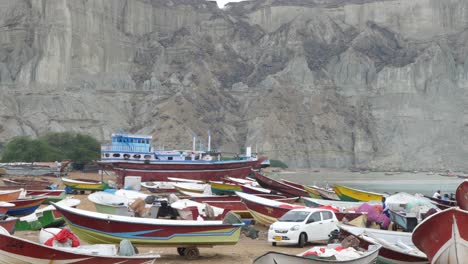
(319, 83)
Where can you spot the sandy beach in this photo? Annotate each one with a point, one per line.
(245, 251)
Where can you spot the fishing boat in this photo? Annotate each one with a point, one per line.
(348, 256)
(442, 204)
(284, 188)
(265, 211)
(134, 155)
(5, 206)
(328, 194)
(462, 195)
(443, 236)
(193, 187)
(44, 217)
(238, 181)
(9, 195)
(254, 189)
(25, 251)
(343, 205)
(26, 183)
(85, 185)
(159, 187)
(34, 169)
(187, 235)
(50, 195)
(224, 188)
(355, 195)
(397, 247)
(25, 206)
(175, 179)
(8, 222)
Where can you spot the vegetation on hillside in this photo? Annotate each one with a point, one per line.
(53, 147)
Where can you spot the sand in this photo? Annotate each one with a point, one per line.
(245, 251)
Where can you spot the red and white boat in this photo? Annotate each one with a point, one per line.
(444, 236)
(284, 188)
(462, 195)
(133, 155)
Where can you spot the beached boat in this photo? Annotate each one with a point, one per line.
(85, 185)
(25, 206)
(9, 222)
(33, 169)
(26, 183)
(44, 217)
(313, 192)
(239, 181)
(343, 205)
(442, 204)
(286, 189)
(324, 193)
(443, 236)
(224, 188)
(193, 187)
(5, 206)
(159, 187)
(50, 195)
(9, 195)
(134, 155)
(355, 195)
(462, 195)
(346, 255)
(254, 189)
(187, 235)
(397, 247)
(26, 251)
(175, 179)
(265, 211)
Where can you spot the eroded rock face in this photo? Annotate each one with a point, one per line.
(368, 84)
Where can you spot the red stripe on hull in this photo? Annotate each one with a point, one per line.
(271, 211)
(436, 230)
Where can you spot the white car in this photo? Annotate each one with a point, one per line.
(300, 226)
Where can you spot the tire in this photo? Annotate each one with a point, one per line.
(302, 240)
(191, 253)
(180, 250)
(273, 244)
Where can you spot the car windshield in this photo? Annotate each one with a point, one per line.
(294, 216)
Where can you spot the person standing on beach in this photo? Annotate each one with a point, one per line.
(437, 195)
(385, 207)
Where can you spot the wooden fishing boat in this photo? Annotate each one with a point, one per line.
(26, 251)
(364, 257)
(85, 185)
(443, 236)
(254, 189)
(187, 235)
(239, 181)
(9, 195)
(192, 187)
(397, 247)
(462, 195)
(313, 192)
(50, 195)
(224, 188)
(9, 223)
(265, 211)
(286, 189)
(25, 206)
(159, 187)
(44, 217)
(229, 198)
(175, 179)
(355, 195)
(442, 204)
(313, 202)
(5, 206)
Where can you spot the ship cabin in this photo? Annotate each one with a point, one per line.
(128, 147)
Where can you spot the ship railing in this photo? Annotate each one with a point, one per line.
(126, 148)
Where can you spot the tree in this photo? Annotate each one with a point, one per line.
(27, 150)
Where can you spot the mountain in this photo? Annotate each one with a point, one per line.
(319, 83)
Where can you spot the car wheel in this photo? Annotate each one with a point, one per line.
(302, 240)
(273, 244)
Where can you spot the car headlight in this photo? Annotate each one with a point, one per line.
(295, 228)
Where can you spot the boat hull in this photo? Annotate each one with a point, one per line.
(8, 196)
(25, 206)
(224, 188)
(355, 195)
(85, 186)
(462, 195)
(444, 236)
(96, 228)
(286, 189)
(9, 224)
(49, 218)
